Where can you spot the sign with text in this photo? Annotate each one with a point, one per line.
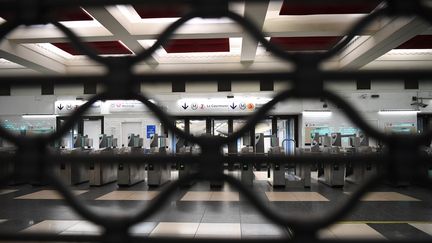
(131, 106)
(244, 104)
(64, 107)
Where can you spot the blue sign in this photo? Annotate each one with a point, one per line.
(151, 130)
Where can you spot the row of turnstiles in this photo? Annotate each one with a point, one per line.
(126, 174)
(99, 173)
(279, 174)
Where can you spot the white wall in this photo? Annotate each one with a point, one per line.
(392, 96)
(113, 125)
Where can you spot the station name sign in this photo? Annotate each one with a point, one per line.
(221, 104)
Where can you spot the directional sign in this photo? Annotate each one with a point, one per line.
(185, 106)
(66, 107)
(233, 106)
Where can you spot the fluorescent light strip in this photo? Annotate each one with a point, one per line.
(38, 116)
(398, 112)
(317, 113)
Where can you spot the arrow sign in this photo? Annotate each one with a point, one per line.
(60, 107)
(233, 106)
(185, 106)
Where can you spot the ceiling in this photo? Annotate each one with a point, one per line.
(217, 44)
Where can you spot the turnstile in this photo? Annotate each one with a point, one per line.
(357, 172)
(246, 170)
(8, 167)
(277, 170)
(73, 173)
(158, 173)
(332, 174)
(299, 174)
(185, 169)
(129, 174)
(101, 173)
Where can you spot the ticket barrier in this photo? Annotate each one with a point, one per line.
(131, 173)
(8, 167)
(246, 170)
(277, 170)
(158, 173)
(185, 169)
(101, 173)
(299, 174)
(358, 172)
(332, 174)
(72, 173)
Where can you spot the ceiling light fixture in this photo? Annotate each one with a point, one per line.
(38, 116)
(397, 112)
(317, 113)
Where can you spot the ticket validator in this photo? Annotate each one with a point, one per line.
(73, 173)
(158, 173)
(131, 173)
(101, 173)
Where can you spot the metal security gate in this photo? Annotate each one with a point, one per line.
(403, 159)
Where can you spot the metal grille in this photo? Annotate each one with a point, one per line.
(403, 159)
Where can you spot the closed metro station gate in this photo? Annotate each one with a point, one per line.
(276, 120)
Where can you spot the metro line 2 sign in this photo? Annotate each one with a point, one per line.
(221, 105)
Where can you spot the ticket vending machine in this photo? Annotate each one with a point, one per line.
(158, 173)
(131, 173)
(73, 173)
(101, 173)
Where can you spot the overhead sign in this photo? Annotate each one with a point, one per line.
(243, 104)
(117, 106)
(64, 107)
(151, 130)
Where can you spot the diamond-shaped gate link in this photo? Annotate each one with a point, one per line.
(306, 74)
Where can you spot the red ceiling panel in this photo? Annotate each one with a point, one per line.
(325, 7)
(198, 45)
(305, 43)
(418, 42)
(70, 14)
(101, 47)
(172, 11)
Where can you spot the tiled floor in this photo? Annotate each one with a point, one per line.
(206, 230)
(51, 226)
(386, 196)
(350, 231)
(219, 230)
(425, 227)
(7, 191)
(201, 211)
(48, 194)
(175, 229)
(295, 196)
(129, 195)
(211, 196)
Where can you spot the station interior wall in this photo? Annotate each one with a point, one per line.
(27, 100)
